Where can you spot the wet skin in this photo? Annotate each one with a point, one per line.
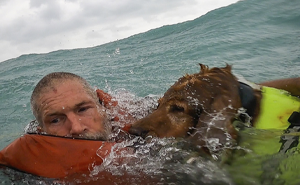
(68, 110)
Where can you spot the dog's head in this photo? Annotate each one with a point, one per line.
(199, 106)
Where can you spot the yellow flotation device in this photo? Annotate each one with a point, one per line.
(276, 107)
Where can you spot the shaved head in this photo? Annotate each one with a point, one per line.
(49, 82)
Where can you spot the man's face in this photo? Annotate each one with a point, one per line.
(67, 109)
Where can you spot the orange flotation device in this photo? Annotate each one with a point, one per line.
(107, 101)
(53, 157)
(57, 157)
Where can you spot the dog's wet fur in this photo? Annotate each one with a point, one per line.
(200, 107)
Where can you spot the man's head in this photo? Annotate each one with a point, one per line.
(64, 104)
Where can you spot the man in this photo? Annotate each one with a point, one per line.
(66, 107)
(64, 104)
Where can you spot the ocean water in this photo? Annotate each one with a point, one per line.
(261, 39)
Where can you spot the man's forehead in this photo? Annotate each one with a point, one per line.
(65, 97)
(65, 84)
(64, 88)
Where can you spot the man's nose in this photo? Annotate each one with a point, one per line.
(77, 127)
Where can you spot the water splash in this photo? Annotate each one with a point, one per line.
(165, 159)
(131, 105)
(31, 127)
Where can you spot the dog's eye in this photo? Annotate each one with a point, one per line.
(176, 108)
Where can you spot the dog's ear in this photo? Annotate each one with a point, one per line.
(203, 68)
(228, 67)
(215, 125)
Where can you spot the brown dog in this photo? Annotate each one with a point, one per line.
(202, 107)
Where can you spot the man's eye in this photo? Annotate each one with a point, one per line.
(56, 120)
(82, 109)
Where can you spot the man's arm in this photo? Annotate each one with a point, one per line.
(291, 85)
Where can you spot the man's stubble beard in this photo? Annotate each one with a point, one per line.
(103, 135)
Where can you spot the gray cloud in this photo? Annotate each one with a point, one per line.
(35, 26)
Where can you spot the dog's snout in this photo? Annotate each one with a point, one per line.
(138, 131)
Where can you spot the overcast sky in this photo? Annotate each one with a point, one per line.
(41, 26)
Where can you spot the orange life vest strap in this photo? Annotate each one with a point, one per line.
(106, 98)
(108, 102)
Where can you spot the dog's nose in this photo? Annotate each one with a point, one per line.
(138, 131)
